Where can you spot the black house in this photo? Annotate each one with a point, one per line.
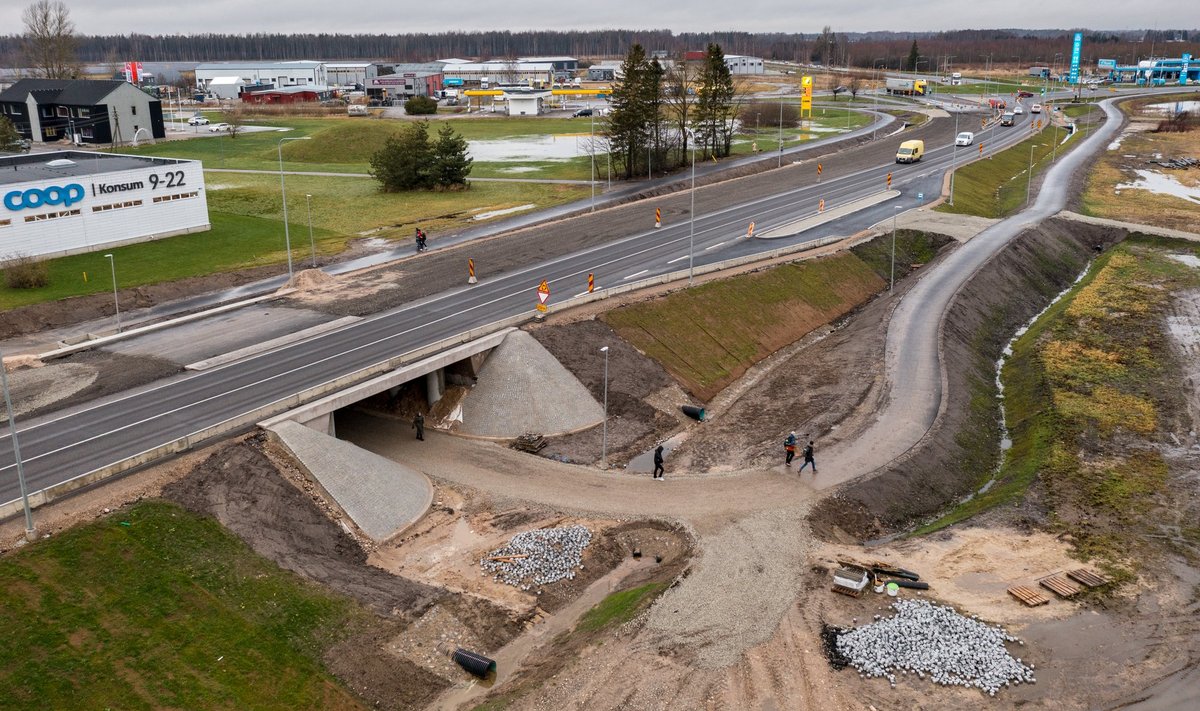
(91, 111)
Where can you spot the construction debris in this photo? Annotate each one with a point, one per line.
(851, 580)
(1090, 578)
(1177, 163)
(1028, 595)
(1061, 585)
(529, 442)
(935, 641)
(539, 557)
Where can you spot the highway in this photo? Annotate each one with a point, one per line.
(68, 444)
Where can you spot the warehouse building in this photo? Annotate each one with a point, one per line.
(404, 81)
(70, 202)
(228, 79)
(82, 111)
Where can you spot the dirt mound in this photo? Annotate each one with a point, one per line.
(82, 377)
(240, 487)
(963, 444)
(309, 279)
(522, 388)
(22, 362)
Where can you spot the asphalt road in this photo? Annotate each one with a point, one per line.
(71, 443)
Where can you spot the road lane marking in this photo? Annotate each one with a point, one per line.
(679, 259)
(718, 244)
(644, 271)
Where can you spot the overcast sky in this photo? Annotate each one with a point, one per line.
(105, 17)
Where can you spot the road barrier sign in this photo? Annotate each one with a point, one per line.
(591, 283)
(657, 217)
(981, 149)
(750, 231)
(889, 182)
(819, 169)
(543, 292)
(470, 271)
(821, 205)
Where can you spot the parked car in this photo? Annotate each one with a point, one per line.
(197, 121)
(582, 112)
(220, 127)
(965, 138)
(1007, 119)
(1035, 109)
(1018, 109)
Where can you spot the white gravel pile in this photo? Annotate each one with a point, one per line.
(935, 641)
(547, 555)
(523, 388)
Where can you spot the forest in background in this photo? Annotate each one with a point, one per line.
(866, 49)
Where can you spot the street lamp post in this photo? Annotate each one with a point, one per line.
(779, 162)
(892, 279)
(112, 265)
(312, 244)
(692, 214)
(954, 157)
(287, 237)
(604, 436)
(592, 150)
(1029, 175)
(30, 533)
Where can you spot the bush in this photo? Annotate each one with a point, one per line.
(22, 271)
(420, 106)
(767, 114)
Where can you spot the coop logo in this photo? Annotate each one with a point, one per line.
(65, 195)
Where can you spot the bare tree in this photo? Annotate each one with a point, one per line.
(49, 41)
(854, 85)
(681, 83)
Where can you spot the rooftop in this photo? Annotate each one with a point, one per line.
(297, 64)
(73, 92)
(35, 166)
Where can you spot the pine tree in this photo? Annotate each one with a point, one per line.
(913, 55)
(714, 113)
(626, 127)
(10, 137)
(450, 163)
(404, 161)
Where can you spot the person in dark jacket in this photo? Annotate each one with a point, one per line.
(808, 458)
(419, 426)
(789, 446)
(659, 470)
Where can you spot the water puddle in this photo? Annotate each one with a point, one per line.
(1163, 184)
(506, 211)
(533, 148)
(644, 462)
(509, 658)
(1174, 107)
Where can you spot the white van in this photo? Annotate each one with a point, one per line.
(965, 138)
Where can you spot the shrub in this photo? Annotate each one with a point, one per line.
(420, 106)
(22, 271)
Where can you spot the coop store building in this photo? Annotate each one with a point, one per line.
(68, 202)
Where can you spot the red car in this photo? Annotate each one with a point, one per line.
(1024, 95)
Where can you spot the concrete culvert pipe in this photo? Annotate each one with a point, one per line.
(477, 664)
(696, 413)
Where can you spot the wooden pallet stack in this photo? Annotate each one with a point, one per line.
(1063, 584)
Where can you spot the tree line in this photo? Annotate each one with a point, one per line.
(1006, 47)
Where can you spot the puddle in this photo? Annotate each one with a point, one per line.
(508, 659)
(507, 211)
(529, 148)
(1163, 184)
(644, 462)
(1174, 107)
(520, 169)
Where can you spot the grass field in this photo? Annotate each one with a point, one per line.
(156, 608)
(995, 186)
(1102, 198)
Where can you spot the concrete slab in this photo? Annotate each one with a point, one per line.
(220, 334)
(960, 227)
(382, 497)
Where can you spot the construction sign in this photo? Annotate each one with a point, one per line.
(591, 283)
(981, 149)
(806, 87)
(750, 231)
(889, 180)
(470, 271)
(543, 292)
(657, 217)
(821, 205)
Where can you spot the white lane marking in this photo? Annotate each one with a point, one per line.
(718, 244)
(644, 271)
(678, 259)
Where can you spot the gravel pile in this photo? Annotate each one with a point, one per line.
(522, 388)
(935, 641)
(546, 556)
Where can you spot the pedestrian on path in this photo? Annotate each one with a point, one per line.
(808, 458)
(789, 446)
(419, 426)
(659, 470)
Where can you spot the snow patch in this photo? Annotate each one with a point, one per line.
(1162, 184)
(507, 211)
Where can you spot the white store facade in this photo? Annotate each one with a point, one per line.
(71, 202)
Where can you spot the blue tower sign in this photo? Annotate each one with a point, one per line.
(1075, 52)
(1183, 69)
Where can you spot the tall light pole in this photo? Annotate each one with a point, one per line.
(30, 533)
(287, 237)
(1029, 175)
(779, 163)
(312, 244)
(592, 147)
(604, 436)
(954, 157)
(112, 265)
(892, 279)
(692, 221)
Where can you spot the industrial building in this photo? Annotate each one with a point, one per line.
(403, 81)
(1182, 70)
(348, 74)
(69, 202)
(82, 111)
(227, 80)
(737, 63)
(499, 72)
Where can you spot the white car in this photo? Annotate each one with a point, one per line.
(197, 121)
(965, 138)
(1035, 109)
(1018, 110)
(219, 127)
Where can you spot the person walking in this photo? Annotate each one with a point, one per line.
(659, 470)
(789, 446)
(419, 426)
(808, 458)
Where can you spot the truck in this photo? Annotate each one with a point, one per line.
(908, 87)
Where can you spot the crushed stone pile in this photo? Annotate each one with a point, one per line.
(539, 557)
(523, 388)
(935, 641)
(308, 279)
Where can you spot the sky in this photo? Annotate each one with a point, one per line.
(103, 17)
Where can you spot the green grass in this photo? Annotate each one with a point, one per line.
(619, 607)
(169, 611)
(995, 186)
